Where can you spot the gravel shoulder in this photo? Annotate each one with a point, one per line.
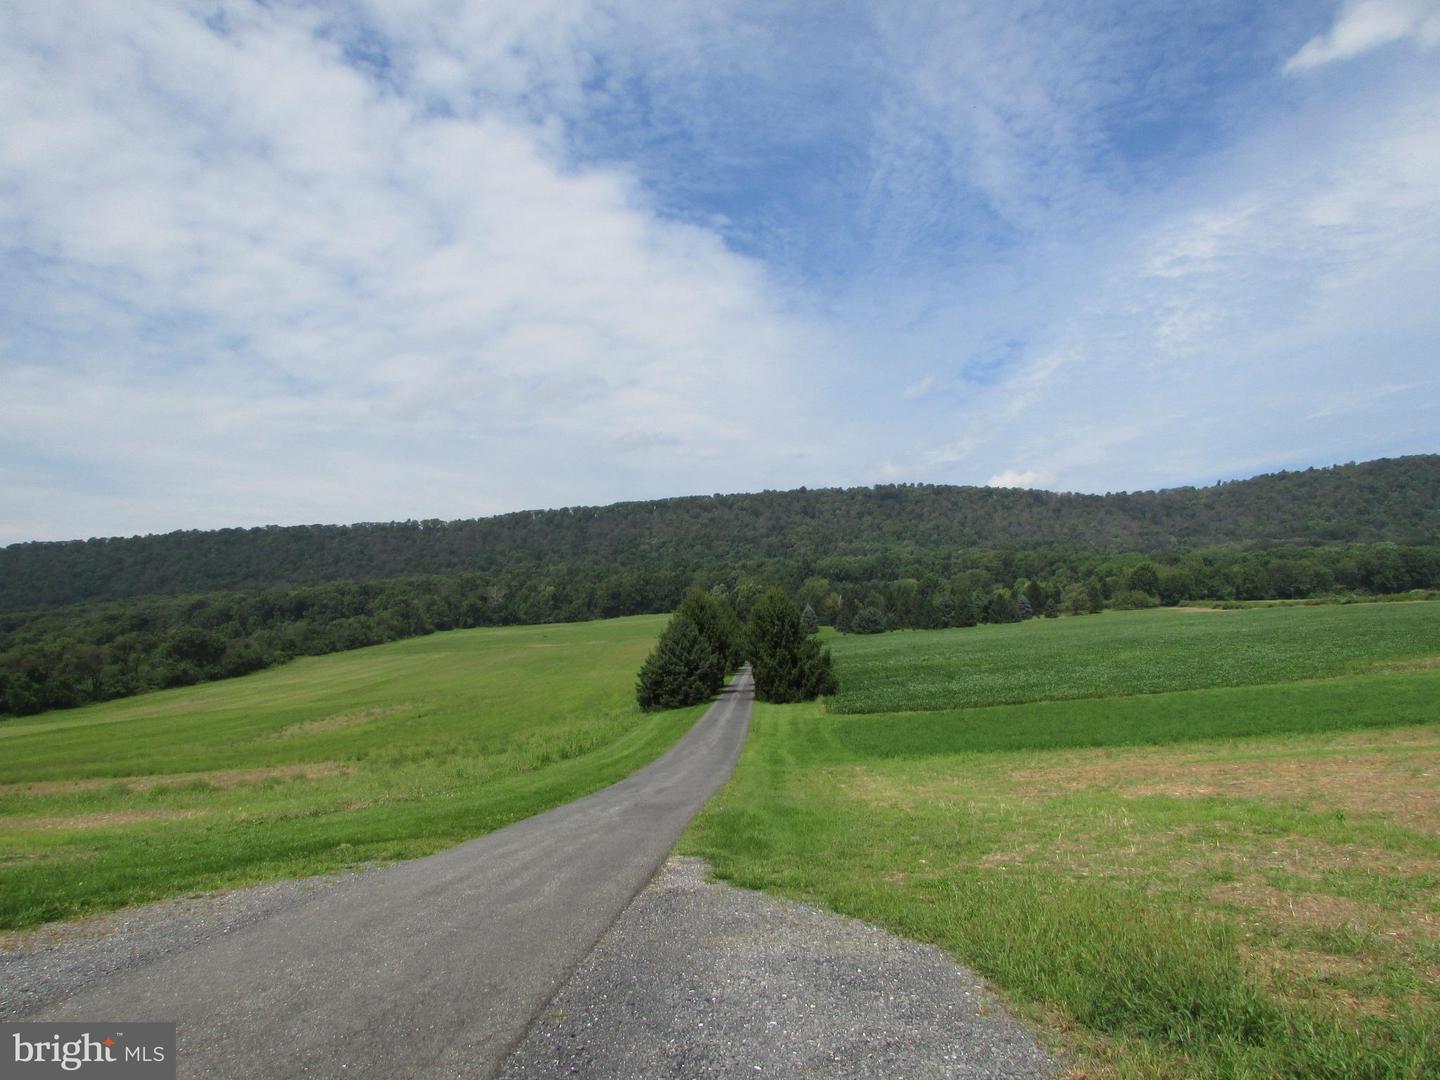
(701, 979)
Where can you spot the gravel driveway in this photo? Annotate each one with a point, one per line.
(700, 979)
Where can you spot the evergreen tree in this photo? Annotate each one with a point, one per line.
(809, 620)
(682, 670)
(788, 663)
(715, 619)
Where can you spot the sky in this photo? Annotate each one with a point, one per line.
(286, 263)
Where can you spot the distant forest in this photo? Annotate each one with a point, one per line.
(83, 621)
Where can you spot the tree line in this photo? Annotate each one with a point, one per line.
(57, 658)
(1395, 500)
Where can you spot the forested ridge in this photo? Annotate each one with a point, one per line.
(1391, 499)
(89, 620)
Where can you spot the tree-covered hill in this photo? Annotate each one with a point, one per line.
(1392, 499)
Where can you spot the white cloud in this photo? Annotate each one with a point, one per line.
(262, 286)
(1363, 25)
(1014, 478)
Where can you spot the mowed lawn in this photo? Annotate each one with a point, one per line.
(1236, 880)
(379, 754)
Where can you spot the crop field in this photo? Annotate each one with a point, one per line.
(379, 754)
(1235, 880)
(1123, 653)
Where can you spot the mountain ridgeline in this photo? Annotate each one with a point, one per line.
(84, 621)
(1394, 500)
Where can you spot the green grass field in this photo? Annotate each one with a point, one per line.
(379, 754)
(1123, 653)
(1185, 843)
(1235, 880)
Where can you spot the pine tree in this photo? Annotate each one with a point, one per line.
(788, 663)
(715, 619)
(682, 670)
(809, 621)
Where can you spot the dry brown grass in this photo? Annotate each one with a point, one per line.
(1323, 915)
(1424, 663)
(103, 820)
(1402, 782)
(221, 778)
(341, 721)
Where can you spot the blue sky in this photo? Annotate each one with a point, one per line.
(325, 262)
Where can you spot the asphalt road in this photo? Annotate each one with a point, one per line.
(431, 968)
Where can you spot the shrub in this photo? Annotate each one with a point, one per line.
(868, 620)
(1131, 599)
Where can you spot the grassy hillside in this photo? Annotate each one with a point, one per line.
(1239, 880)
(1394, 499)
(383, 753)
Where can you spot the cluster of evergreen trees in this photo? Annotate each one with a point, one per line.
(704, 641)
(700, 645)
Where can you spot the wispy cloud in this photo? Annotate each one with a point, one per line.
(1363, 25)
(921, 388)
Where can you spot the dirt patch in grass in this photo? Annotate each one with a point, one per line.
(221, 778)
(343, 720)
